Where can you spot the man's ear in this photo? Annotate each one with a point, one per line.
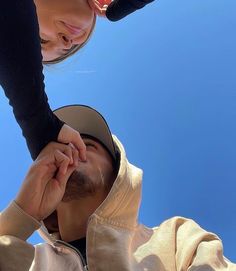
(51, 223)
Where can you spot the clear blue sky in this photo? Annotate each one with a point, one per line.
(165, 80)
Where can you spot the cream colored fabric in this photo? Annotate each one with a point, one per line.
(15, 227)
(50, 258)
(117, 242)
(14, 221)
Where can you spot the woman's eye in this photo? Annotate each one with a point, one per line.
(43, 41)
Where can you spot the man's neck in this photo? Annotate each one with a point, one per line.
(73, 216)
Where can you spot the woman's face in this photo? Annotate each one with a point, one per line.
(63, 24)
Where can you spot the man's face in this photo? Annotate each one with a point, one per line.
(90, 182)
(93, 175)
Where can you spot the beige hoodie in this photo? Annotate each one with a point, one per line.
(115, 239)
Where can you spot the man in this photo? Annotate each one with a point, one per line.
(90, 211)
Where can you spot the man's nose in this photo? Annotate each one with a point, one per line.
(65, 40)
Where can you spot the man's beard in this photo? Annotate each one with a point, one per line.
(80, 185)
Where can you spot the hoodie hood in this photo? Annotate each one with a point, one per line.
(121, 206)
(123, 201)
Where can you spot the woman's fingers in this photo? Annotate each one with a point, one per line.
(69, 135)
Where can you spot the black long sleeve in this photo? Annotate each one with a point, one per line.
(21, 74)
(118, 9)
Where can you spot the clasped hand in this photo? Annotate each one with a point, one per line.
(45, 183)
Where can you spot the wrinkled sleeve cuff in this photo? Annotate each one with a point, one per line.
(14, 221)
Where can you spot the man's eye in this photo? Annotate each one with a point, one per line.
(43, 41)
(90, 145)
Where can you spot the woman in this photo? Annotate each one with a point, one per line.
(66, 26)
(22, 78)
(21, 74)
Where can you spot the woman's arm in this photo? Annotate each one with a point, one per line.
(21, 73)
(21, 76)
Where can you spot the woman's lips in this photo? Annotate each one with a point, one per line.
(75, 30)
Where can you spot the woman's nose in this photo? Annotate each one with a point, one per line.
(65, 41)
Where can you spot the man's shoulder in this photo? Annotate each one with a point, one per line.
(183, 229)
(15, 254)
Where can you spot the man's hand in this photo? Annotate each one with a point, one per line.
(45, 183)
(99, 6)
(69, 135)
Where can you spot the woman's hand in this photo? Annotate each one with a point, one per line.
(45, 183)
(69, 135)
(99, 6)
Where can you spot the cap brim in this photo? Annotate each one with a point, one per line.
(88, 121)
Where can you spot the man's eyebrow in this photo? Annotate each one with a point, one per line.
(95, 140)
(84, 136)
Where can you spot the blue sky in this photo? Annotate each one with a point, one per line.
(164, 78)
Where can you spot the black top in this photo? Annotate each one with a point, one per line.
(21, 71)
(118, 9)
(21, 74)
(80, 244)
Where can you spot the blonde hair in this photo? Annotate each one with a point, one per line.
(74, 48)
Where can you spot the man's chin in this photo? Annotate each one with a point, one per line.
(79, 186)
